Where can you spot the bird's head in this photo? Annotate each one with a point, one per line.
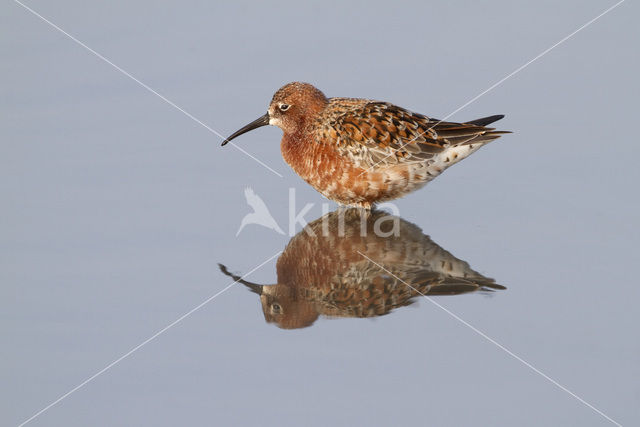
(291, 108)
(283, 305)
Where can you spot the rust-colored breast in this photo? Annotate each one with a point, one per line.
(338, 178)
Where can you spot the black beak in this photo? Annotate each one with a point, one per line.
(253, 287)
(259, 122)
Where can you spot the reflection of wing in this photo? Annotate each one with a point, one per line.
(254, 200)
(330, 271)
(367, 289)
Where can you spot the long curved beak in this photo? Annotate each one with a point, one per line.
(253, 287)
(259, 122)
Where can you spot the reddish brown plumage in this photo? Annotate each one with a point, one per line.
(334, 269)
(359, 152)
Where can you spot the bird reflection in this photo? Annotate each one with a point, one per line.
(359, 263)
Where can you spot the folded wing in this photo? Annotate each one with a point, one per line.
(380, 133)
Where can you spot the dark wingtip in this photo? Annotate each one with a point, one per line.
(486, 120)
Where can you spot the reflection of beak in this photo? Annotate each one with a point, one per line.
(259, 122)
(253, 287)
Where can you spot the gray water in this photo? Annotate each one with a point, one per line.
(117, 209)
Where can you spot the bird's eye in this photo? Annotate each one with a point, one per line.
(284, 107)
(276, 308)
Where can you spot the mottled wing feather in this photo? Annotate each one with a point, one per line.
(367, 290)
(373, 132)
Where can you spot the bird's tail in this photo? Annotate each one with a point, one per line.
(486, 120)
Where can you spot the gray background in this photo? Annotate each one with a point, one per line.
(116, 209)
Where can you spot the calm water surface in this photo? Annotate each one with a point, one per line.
(120, 215)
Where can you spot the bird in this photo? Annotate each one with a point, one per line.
(359, 152)
(359, 263)
(260, 214)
